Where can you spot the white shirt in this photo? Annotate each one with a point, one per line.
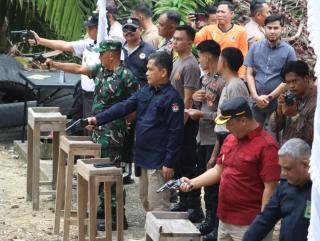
(85, 48)
(254, 31)
(116, 32)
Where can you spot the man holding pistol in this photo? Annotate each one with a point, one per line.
(247, 168)
(159, 129)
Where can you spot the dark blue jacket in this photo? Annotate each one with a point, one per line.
(159, 124)
(290, 204)
(137, 61)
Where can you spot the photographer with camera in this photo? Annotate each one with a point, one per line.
(296, 106)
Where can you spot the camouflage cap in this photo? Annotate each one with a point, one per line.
(108, 45)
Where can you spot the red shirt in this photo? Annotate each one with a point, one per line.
(247, 164)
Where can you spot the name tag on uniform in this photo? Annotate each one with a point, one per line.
(307, 210)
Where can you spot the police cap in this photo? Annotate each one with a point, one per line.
(232, 108)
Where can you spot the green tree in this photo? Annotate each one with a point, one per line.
(51, 18)
(184, 7)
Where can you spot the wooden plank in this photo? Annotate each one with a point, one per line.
(119, 203)
(107, 211)
(153, 228)
(52, 125)
(169, 215)
(97, 239)
(93, 193)
(73, 213)
(45, 183)
(29, 163)
(48, 192)
(161, 226)
(55, 156)
(36, 167)
(82, 204)
(60, 191)
(68, 197)
(187, 238)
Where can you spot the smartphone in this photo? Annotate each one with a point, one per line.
(200, 16)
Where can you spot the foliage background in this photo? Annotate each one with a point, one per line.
(64, 18)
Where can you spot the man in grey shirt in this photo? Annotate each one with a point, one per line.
(185, 77)
(264, 62)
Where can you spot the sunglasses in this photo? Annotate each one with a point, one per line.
(129, 29)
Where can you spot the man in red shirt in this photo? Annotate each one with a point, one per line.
(247, 168)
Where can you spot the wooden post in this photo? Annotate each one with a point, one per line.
(29, 163)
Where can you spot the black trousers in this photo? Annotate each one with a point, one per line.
(211, 192)
(187, 165)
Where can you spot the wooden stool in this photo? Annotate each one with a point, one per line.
(42, 119)
(70, 146)
(89, 177)
(170, 226)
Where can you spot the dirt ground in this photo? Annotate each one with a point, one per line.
(19, 223)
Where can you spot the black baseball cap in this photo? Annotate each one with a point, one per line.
(133, 22)
(92, 20)
(111, 8)
(233, 108)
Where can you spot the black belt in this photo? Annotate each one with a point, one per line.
(87, 93)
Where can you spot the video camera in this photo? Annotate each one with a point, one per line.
(23, 35)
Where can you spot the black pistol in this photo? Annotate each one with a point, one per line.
(36, 57)
(23, 35)
(78, 123)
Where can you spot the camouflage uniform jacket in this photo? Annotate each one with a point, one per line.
(110, 88)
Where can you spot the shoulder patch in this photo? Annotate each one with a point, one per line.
(175, 107)
(142, 56)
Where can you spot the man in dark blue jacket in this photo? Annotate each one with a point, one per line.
(159, 129)
(291, 200)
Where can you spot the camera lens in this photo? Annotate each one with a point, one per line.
(289, 98)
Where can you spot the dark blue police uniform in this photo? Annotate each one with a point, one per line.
(289, 203)
(159, 124)
(137, 61)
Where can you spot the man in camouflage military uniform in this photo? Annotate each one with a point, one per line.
(113, 83)
(111, 86)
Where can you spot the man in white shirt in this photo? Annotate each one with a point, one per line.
(83, 48)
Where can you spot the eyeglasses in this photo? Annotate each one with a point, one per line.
(129, 29)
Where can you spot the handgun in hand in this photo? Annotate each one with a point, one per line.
(170, 185)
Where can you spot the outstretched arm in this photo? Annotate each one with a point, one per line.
(116, 111)
(69, 67)
(52, 43)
